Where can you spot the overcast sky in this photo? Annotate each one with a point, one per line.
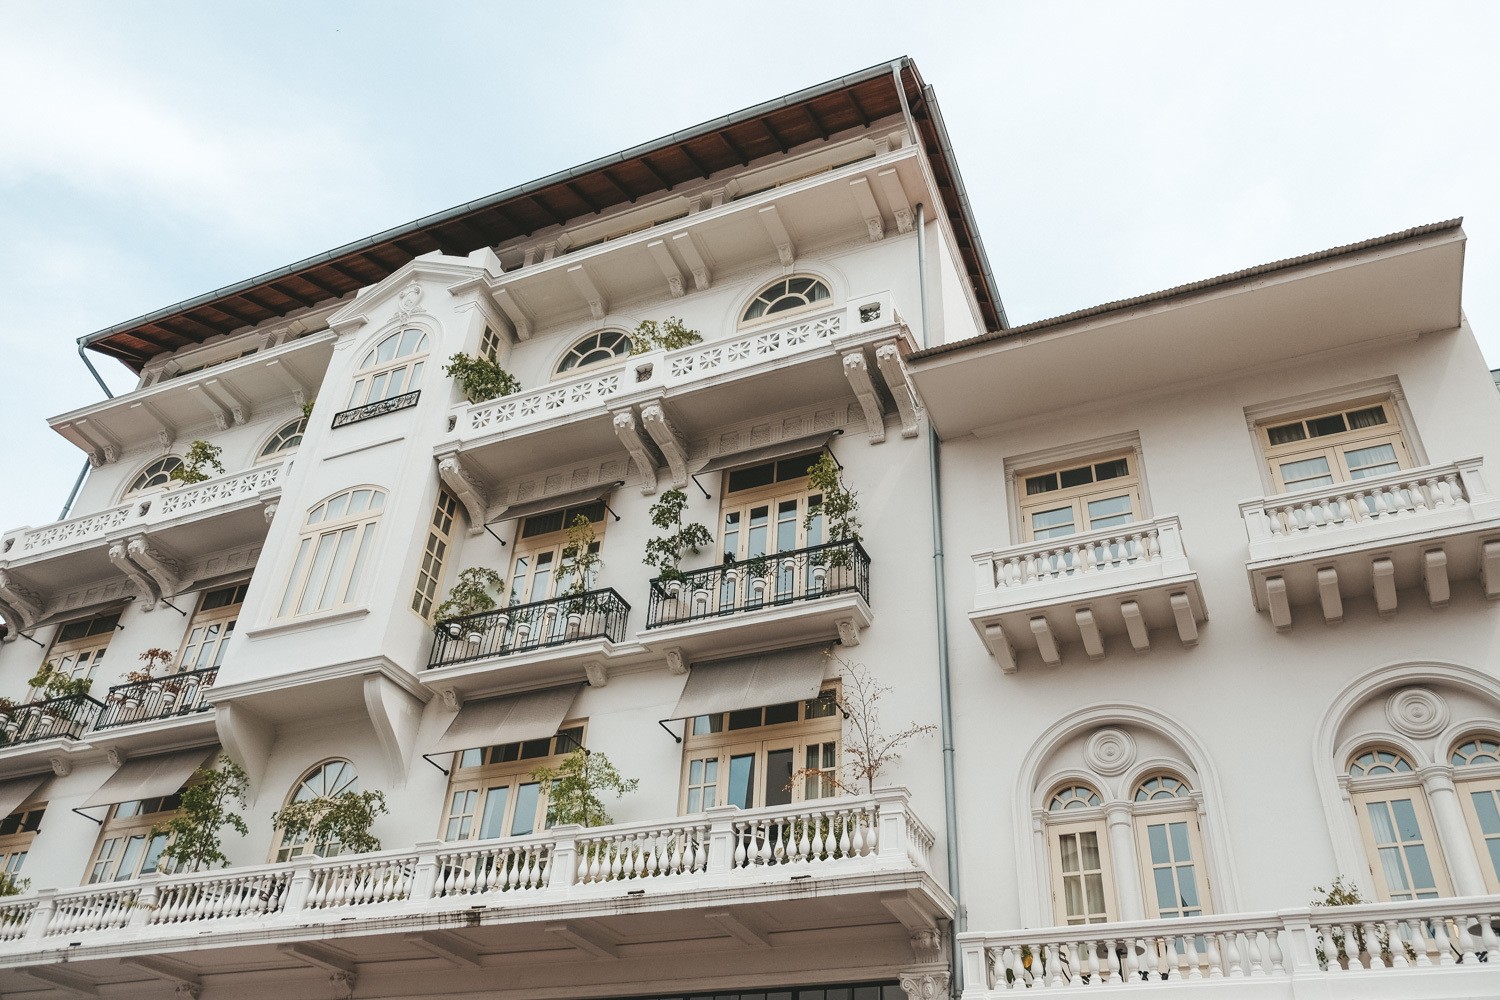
(152, 151)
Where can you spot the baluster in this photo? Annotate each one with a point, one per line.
(1232, 955)
(1395, 943)
(1215, 963)
(1370, 935)
(1438, 927)
(1129, 963)
(1273, 948)
(739, 846)
(1010, 957)
(1487, 935)
(1465, 942)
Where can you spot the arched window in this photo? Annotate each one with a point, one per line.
(154, 476)
(332, 552)
(1476, 763)
(324, 781)
(287, 439)
(595, 349)
(1079, 851)
(1073, 797)
(1396, 825)
(786, 295)
(1170, 847)
(391, 368)
(1162, 787)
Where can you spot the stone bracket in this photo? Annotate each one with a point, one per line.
(628, 430)
(669, 439)
(22, 605)
(466, 488)
(163, 569)
(584, 283)
(888, 360)
(688, 247)
(859, 187)
(148, 588)
(858, 373)
(668, 267)
(770, 218)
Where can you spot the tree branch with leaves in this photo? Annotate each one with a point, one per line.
(342, 821)
(664, 552)
(868, 750)
(573, 788)
(207, 809)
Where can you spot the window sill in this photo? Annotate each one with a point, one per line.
(294, 625)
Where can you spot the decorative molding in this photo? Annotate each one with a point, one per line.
(858, 374)
(927, 945)
(20, 599)
(770, 218)
(925, 985)
(453, 700)
(1110, 751)
(668, 267)
(408, 299)
(676, 663)
(466, 488)
(888, 360)
(115, 756)
(848, 632)
(671, 442)
(859, 187)
(165, 570)
(687, 245)
(144, 585)
(1416, 711)
(597, 673)
(629, 433)
(895, 196)
(61, 766)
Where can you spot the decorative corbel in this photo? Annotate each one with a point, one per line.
(166, 432)
(163, 568)
(584, 283)
(668, 439)
(596, 672)
(676, 662)
(13, 619)
(120, 556)
(61, 766)
(858, 374)
(116, 757)
(848, 632)
(629, 433)
(925, 985)
(270, 500)
(239, 406)
(216, 409)
(466, 488)
(770, 218)
(927, 945)
(888, 359)
(895, 196)
(687, 246)
(106, 446)
(518, 317)
(282, 371)
(868, 210)
(453, 700)
(667, 266)
(22, 605)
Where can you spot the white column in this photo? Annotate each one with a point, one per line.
(1127, 871)
(1453, 831)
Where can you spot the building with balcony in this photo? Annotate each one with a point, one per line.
(1194, 590)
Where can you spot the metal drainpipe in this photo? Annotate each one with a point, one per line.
(940, 597)
(83, 472)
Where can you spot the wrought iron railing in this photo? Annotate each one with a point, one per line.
(764, 581)
(596, 614)
(375, 409)
(68, 717)
(158, 698)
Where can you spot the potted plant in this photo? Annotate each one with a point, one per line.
(205, 811)
(837, 510)
(469, 596)
(480, 379)
(664, 552)
(9, 724)
(343, 820)
(581, 563)
(668, 335)
(200, 455)
(573, 788)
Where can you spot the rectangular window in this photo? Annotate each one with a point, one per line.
(539, 569)
(1082, 888)
(1081, 496)
(491, 792)
(16, 834)
(1481, 801)
(128, 847)
(766, 756)
(434, 553)
(79, 646)
(1171, 854)
(1404, 858)
(212, 626)
(1333, 446)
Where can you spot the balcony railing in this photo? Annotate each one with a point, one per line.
(704, 852)
(159, 698)
(68, 718)
(343, 418)
(597, 614)
(1265, 949)
(765, 581)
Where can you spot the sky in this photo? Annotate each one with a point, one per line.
(152, 151)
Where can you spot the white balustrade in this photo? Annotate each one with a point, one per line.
(14, 917)
(222, 490)
(495, 866)
(1148, 547)
(819, 832)
(361, 881)
(190, 899)
(642, 853)
(93, 910)
(690, 363)
(75, 529)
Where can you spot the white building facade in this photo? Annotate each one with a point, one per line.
(1163, 713)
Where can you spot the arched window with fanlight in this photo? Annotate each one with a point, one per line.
(1082, 884)
(323, 781)
(600, 348)
(1396, 825)
(786, 295)
(1169, 845)
(287, 439)
(153, 477)
(1476, 773)
(332, 552)
(391, 368)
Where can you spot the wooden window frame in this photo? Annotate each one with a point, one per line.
(279, 845)
(66, 655)
(534, 547)
(1078, 497)
(435, 551)
(746, 321)
(14, 847)
(1385, 789)
(560, 373)
(226, 615)
(361, 554)
(1334, 447)
(808, 730)
(119, 831)
(1166, 811)
(412, 363)
(1075, 823)
(484, 778)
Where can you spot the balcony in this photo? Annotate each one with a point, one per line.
(526, 642)
(1429, 527)
(656, 402)
(1079, 590)
(158, 542)
(171, 697)
(778, 875)
(820, 592)
(56, 718)
(1429, 948)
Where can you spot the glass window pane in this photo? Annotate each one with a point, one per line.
(1088, 843)
(1395, 871)
(524, 820)
(1069, 850)
(1373, 461)
(131, 856)
(1306, 472)
(741, 781)
(1406, 820)
(317, 578)
(1187, 884)
(366, 533)
(1111, 511)
(1331, 424)
(1488, 813)
(779, 765)
(1374, 416)
(295, 579)
(492, 823)
(1166, 890)
(1286, 433)
(1180, 849)
(1156, 835)
(1073, 891)
(1052, 523)
(1421, 870)
(340, 563)
(1095, 886)
(1380, 822)
(1076, 477)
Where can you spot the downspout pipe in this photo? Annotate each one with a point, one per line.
(940, 599)
(83, 472)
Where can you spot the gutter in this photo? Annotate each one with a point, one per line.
(83, 472)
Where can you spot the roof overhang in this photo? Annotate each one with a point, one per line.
(1405, 284)
(642, 172)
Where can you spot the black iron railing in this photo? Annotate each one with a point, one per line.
(375, 409)
(68, 717)
(597, 614)
(159, 698)
(761, 582)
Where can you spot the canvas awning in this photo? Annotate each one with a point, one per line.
(13, 793)
(80, 613)
(767, 453)
(148, 777)
(772, 678)
(546, 505)
(513, 719)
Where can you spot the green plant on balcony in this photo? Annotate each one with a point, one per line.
(10, 885)
(200, 456)
(480, 379)
(573, 788)
(581, 563)
(340, 821)
(837, 509)
(668, 335)
(9, 724)
(664, 552)
(53, 683)
(471, 594)
(207, 808)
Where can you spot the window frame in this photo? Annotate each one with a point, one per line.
(745, 321)
(1078, 497)
(1078, 823)
(300, 848)
(560, 373)
(1164, 811)
(135, 488)
(66, 655)
(1332, 448)
(437, 547)
(532, 548)
(356, 560)
(16, 846)
(1469, 780)
(297, 428)
(412, 364)
(225, 615)
(121, 831)
(484, 778)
